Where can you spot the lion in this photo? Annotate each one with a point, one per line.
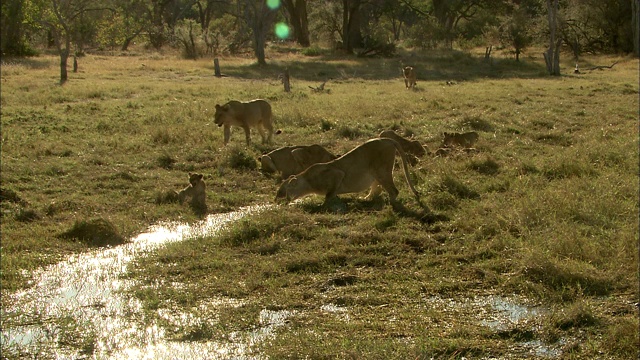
(369, 165)
(409, 74)
(464, 140)
(196, 190)
(254, 113)
(292, 160)
(410, 147)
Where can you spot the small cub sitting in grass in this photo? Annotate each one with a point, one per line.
(196, 190)
(464, 140)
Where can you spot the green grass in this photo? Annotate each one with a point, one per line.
(546, 207)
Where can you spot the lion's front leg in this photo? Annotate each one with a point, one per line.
(333, 182)
(247, 134)
(227, 134)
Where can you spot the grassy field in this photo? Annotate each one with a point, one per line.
(544, 210)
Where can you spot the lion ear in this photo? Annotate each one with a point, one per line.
(190, 174)
(218, 107)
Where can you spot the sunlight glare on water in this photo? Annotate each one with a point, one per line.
(84, 293)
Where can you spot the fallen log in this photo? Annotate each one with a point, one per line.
(600, 67)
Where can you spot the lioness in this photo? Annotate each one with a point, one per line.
(410, 147)
(369, 165)
(255, 113)
(409, 74)
(465, 140)
(291, 160)
(196, 190)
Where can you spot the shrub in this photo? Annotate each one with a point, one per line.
(239, 159)
(94, 233)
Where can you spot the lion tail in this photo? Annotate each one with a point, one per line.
(403, 156)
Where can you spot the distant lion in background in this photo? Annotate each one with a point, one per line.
(464, 140)
(413, 148)
(292, 160)
(410, 78)
(247, 115)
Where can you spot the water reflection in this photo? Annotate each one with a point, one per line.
(499, 314)
(75, 308)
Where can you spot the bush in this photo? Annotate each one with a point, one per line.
(94, 233)
(240, 159)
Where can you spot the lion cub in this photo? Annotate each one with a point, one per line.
(409, 74)
(255, 113)
(196, 190)
(464, 140)
(413, 148)
(292, 160)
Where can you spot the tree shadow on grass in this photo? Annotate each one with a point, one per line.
(436, 65)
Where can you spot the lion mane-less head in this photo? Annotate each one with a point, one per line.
(222, 114)
(195, 179)
(291, 160)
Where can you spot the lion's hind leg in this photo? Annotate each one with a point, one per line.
(265, 138)
(385, 180)
(268, 126)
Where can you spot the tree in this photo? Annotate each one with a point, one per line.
(132, 20)
(515, 31)
(62, 18)
(552, 55)
(157, 30)
(12, 35)
(186, 33)
(297, 11)
(259, 17)
(351, 35)
(635, 24)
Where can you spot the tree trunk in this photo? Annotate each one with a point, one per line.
(286, 80)
(635, 23)
(552, 55)
(216, 67)
(64, 57)
(299, 20)
(259, 48)
(351, 35)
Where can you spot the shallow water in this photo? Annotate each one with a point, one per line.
(76, 308)
(500, 313)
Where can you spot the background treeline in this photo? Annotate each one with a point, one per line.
(363, 27)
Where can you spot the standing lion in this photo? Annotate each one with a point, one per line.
(247, 115)
(409, 74)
